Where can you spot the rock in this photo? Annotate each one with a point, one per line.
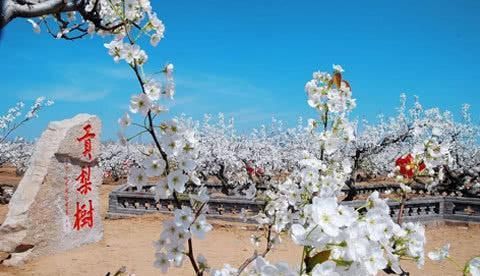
(4, 256)
(55, 208)
(6, 192)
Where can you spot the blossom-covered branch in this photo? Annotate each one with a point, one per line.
(12, 120)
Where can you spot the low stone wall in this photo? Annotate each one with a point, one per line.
(123, 202)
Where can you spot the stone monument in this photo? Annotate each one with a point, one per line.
(56, 206)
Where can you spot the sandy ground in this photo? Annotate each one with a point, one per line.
(8, 176)
(128, 242)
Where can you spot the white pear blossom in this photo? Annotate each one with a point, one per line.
(169, 68)
(158, 109)
(264, 268)
(325, 215)
(125, 121)
(137, 178)
(152, 89)
(200, 227)
(375, 260)
(115, 49)
(439, 254)
(155, 39)
(154, 166)
(140, 104)
(133, 54)
(176, 181)
(162, 262)
(325, 269)
(474, 266)
(162, 191)
(172, 145)
(183, 217)
(187, 165)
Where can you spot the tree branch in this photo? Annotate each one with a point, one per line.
(255, 254)
(11, 9)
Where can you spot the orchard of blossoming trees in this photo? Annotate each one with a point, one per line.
(238, 160)
(301, 170)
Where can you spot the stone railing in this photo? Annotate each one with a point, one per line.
(124, 202)
(360, 188)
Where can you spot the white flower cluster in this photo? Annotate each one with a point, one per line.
(103, 17)
(12, 119)
(340, 240)
(359, 243)
(263, 267)
(331, 93)
(337, 239)
(131, 53)
(171, 247)
(116, 12)
(170, 164)
(39, 103)
(147, 101)
(11, 115)
(17, 152)
(180, 145)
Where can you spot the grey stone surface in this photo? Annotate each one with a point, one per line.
(42, 211)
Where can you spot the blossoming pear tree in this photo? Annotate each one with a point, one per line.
(454, 144)
(336, 239)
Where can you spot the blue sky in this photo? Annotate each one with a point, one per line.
(251, 59)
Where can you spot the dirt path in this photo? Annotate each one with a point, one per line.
(129, 242)
(8, 176)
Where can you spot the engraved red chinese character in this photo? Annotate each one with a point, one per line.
(87, 141)
(84, 180)
(83, 216)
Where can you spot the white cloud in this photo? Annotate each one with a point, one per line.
(119, 73)
(220, 85)
(66, 94)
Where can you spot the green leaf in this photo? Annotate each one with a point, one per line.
(319, 258)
